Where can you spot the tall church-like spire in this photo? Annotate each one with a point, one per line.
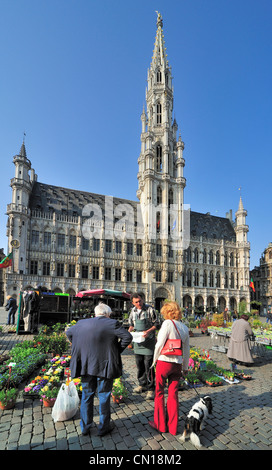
(160, 177)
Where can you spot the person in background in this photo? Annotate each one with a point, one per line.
(97, 344)
(239, 343)
(169, 368)
(143, 318)
(11, 307)
(269, 316)
(226, 316)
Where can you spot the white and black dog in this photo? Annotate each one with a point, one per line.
(195, 420)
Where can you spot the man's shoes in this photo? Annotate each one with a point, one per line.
(106, 431)
(139, 389)
(150, 395)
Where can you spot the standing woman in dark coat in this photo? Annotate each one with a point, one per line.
(96, 357)
(239, 343)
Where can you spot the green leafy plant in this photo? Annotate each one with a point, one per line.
(192, 378)
(8, 395)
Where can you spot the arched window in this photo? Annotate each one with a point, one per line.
(211, 279)
(170, 197)
(159, 76)
(196, 255)
(232, 281)
(218, 279)
(158, 222)
(159, 113)
(196, 278)
(217, 258)
(204, 256)
(159, 195)
(205, 279)
(211, 257)
(188, 255)
(159, 158)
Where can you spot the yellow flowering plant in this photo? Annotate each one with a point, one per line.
(118, 389)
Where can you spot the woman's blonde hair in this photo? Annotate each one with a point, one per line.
(171, 311)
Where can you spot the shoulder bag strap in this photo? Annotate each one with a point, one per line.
(176, 328)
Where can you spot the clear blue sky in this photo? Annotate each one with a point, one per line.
(73, 78)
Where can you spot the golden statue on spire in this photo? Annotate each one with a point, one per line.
(159, 19)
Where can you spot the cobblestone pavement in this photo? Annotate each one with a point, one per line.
(241, 420)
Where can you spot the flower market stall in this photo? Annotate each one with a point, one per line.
(260, 343)
(203, 370)
(45, 361)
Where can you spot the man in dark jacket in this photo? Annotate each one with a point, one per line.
(96, 357)
(11, 307)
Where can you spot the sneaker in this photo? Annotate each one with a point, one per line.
(150, 395)
(139, 389)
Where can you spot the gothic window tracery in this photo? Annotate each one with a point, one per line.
(159, 113)
(170, 197)
(159, 195)
(159, 158)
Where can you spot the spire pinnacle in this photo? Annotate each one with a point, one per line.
(159, 54)
(159, 20)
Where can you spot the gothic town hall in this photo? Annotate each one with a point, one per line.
(67, 240)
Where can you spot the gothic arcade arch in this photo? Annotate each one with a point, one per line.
(160, 295)
(187, 301)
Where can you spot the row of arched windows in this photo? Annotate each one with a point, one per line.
(210, 279)
(209, 257)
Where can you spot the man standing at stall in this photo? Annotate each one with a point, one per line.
(97, 344)
(143, 319)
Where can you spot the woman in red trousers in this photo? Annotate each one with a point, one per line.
(169, 368)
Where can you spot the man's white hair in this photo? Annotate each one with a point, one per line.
(102, 310)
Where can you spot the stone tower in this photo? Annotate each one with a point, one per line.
(160, 179)
(18, 211)
(243, 248)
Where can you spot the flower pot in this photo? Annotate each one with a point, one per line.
(117, 399)
(8, 406)
(49, 402)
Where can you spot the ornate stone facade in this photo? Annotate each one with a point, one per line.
(72, 240)
(262, 278)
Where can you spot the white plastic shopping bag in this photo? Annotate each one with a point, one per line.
(66, 404)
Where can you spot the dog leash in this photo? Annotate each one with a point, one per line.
(187, 383)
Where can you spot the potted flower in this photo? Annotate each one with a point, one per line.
(229, 375)
(119, 391)
(49, 395)
(8, 398)
(8, 395)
